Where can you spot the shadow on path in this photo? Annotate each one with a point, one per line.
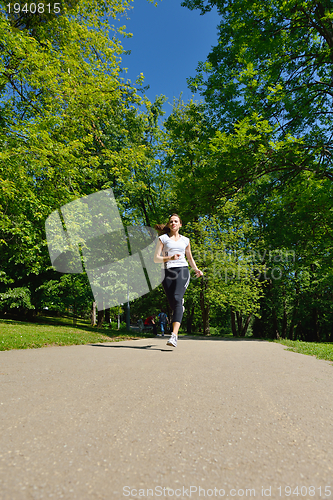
(223, 339)
(133, 347)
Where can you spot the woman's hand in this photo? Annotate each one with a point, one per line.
(176, 256)
(198, 273)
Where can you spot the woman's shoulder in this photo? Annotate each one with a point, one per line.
(186, 240)
(163, 238)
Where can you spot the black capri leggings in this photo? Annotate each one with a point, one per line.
(175, 282)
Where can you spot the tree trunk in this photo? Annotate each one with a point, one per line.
(246, 325)
(330, 335)
(233, 323)
(205, 318)
(93, 314)
(315, 329)
(100, 319)
(143, 206)
(299, 331)
(239, 328)
(284, 320)
(257, 327)
(291, 334)
(189, 321)
(107, 316)
(275, 325)
(74, 314)
(204, 307)
(315, 320)
(239, 323)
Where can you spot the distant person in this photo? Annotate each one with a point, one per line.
(140, 325)
(171, 250)
(162, 319)
(150, 321)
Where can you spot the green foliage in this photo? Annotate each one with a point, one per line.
(204, 165)
(149, 304)
(224, 254)
(142, 186)
(58, 86)
(70, 126)
(70, 291)
(249, 169)
(267, 86)
(15, 298)
(291, 230)
(188, 132)
(274, 58)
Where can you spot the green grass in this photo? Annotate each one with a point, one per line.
(55, 331)
(61, 331)
(322, 350)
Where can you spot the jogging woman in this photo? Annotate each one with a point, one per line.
(171, 250)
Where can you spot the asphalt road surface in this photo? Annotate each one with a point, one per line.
(210, 419)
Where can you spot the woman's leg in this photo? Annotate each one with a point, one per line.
(175, 327)
(181, 283)
(169, 283)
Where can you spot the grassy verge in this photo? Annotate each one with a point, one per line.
(60, 331)
(47, 332)
(322, 350)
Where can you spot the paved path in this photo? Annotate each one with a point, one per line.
(225, 418)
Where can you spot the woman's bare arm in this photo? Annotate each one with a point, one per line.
(189, 256)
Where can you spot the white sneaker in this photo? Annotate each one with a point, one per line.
(172, 340)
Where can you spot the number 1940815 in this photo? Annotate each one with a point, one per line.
(304, 491)
(33, 8)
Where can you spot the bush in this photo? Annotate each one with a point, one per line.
(16, 298)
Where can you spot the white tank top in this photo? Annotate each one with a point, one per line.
(171, 247)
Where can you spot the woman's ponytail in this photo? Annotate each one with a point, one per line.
(162, 229)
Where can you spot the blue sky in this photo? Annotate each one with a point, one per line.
(167, 44)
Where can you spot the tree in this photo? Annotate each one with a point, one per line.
(219, 231)
(268, 92)
(60, 83)
(292, 222)
(69, 292)
(131, 163)
(187, 159)
(273, 59)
